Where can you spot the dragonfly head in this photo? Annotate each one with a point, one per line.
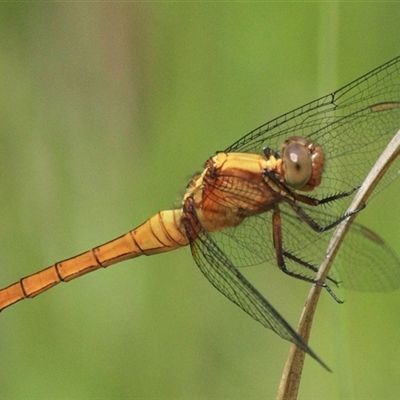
(302, 163)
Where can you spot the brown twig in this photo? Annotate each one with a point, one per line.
(290, 381)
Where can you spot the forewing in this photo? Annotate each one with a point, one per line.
(353, 125)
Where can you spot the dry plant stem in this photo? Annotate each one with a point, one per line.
(290, 381)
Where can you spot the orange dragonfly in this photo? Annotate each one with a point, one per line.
(251, 204)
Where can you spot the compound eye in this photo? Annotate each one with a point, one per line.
(297, 165)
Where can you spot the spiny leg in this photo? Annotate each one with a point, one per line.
(281, 254)
(316, 202)
(314, 224)
(312, 201)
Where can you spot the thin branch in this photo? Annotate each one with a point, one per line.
(290, 381)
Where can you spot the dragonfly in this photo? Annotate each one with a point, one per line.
(272, 197)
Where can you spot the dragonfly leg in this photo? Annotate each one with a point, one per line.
(315, 202)
(312, 201)
(308, 266)
(314, 224)
(281, 254)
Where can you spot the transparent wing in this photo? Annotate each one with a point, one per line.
(353, 125)
(364, 262)
(225, 277)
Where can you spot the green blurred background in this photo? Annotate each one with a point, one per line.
(106, 110)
